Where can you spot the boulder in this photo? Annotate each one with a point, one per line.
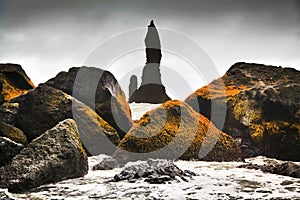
(263, 108)
(175, 130)
(154, 172)
(281, 168)
(1, 95)
(100, 90)
(54, 156)
(8, 150)
(12, 133)
(14, 81)
(42, 108)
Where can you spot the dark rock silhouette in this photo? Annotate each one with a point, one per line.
(263, 108)
(54, 156)
(132, 85)
(151, 89)
(14, 82)
(100, 90)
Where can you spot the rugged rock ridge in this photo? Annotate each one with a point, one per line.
(263, 106)
(100, 90)
(13, 82)
(151, 89)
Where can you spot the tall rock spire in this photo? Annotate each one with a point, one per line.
(151, 89)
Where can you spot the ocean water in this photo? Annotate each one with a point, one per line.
(215, 180)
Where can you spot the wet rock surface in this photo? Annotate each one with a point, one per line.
(54, 156)
(100, 90)
(154, 172)
(281, 168)
(262, 108)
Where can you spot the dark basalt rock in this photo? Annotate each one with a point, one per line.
(54, 156)
(175, 130)
(8, 150)
(14, 81)
(107, 164)
(151, 89)
(263, 108)
(100, 90)
(284, 168)
(154, 172)
(42, 108)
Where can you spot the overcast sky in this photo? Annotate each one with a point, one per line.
(46, 37)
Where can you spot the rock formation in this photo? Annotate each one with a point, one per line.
(1, 95)
(100, 90)
(14, 81)
(44, 107)
(153, 172)
(54, 156)
(263, 108)
(151, 89)
(175, 130)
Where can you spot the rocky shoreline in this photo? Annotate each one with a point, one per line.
(47, 132)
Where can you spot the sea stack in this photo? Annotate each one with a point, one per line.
(151, 89)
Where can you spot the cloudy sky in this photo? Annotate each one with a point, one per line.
(46, 37)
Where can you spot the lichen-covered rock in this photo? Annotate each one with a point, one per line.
(100, 90)
(42, 108)
(14, 81)
(54, 156)
(8, 150)
(263, 108)
(175, 130)
(12, 133)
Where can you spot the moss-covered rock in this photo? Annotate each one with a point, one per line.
(42, 108)
(54, 156)
(12, 133)
(14, 81)
(100, 90)
(175, 130)
(263, 106)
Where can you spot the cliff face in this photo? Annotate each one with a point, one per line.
(151, 89)
(263, 108)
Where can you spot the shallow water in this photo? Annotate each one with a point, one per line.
(215, 181)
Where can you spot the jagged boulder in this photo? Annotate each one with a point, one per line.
(42, 108)
(54, 156)
(14, 81)
(100, 90)
(8, 150)
(263, 108)
(175, 130)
